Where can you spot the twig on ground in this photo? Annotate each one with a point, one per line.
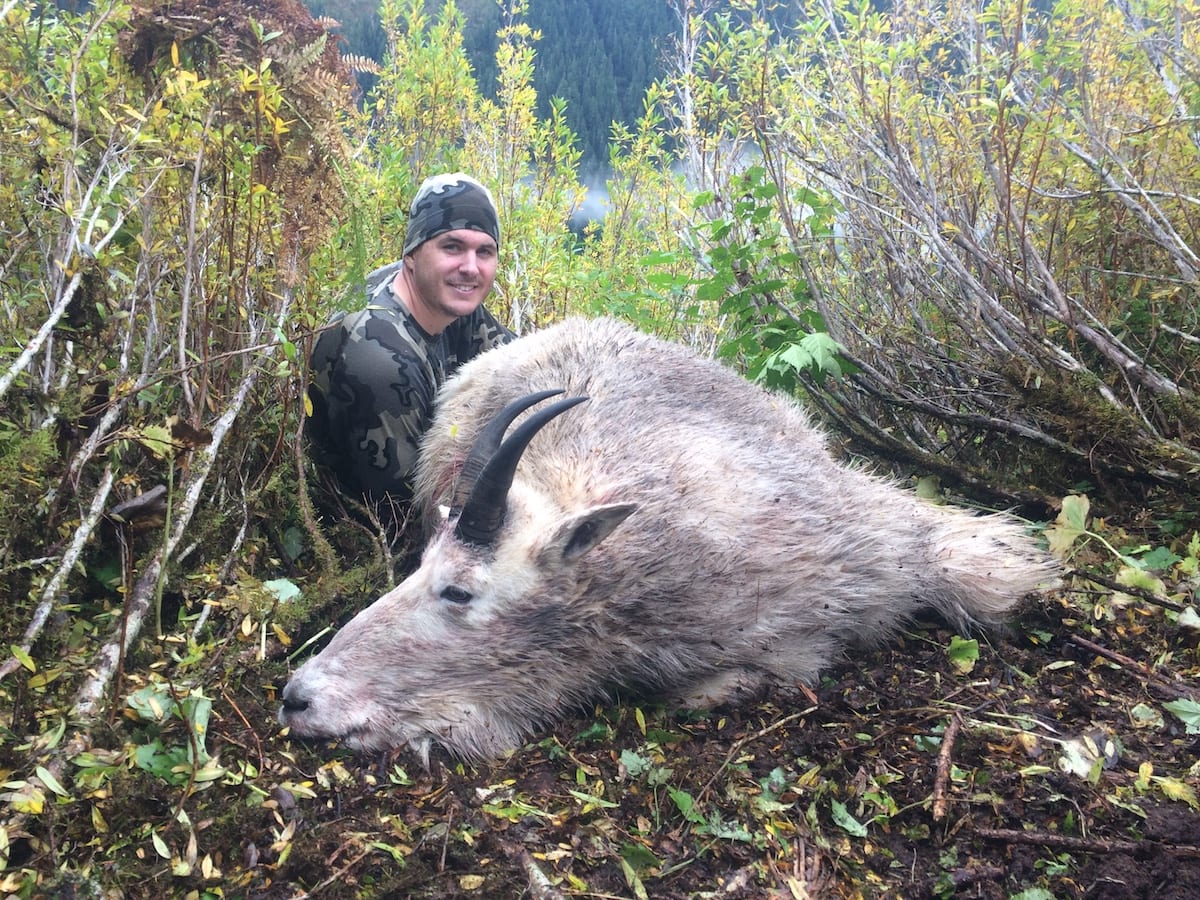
(1126, 662)
(1086, 845)
(742, 742)
(962, 878)
(250, 728)
(1141, 593)
(336, 876)
(446, 840)
(945, 754)
(540, 886)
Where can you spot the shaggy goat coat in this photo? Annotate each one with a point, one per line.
(683, 533)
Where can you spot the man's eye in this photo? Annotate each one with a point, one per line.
(455, 594)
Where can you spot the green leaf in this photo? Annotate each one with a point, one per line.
(292, 541)
(1143, 715)
(963, 654)
(711, 290)
(640, 858)
(160, 846)
(686, 805)
(843, 818)
(23, 658)
(634, 763)
(1070, 525)
(197, 709)
(929, 487)
(1136, 577)
(48, 779)
(726, 831)
(1160, 559)
(283, 589)
(634, 882)
(162, 763)
(597, 731)
(1188, 711)
(156, 439)
(816, 353)
(211, 770)
(152, 703)
(591, 801)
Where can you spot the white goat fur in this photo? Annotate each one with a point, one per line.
(684, 534)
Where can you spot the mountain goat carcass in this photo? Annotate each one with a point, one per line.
(682, 533)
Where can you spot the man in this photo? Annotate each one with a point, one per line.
(375, 371)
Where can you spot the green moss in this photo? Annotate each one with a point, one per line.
(25, 463)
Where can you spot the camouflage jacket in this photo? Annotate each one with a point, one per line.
(374, 376)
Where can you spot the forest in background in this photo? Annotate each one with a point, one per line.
(598, 58)
(967, 235)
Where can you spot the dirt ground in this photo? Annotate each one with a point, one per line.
(853, 794)
(1049, 769)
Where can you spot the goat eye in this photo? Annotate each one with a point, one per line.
(455, 594)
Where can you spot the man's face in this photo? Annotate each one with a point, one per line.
(451, 274)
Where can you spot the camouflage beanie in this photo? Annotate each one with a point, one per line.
(447, 203)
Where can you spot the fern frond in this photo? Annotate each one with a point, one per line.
(359, 63)
(304, 57)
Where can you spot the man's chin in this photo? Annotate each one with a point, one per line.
(459, 305)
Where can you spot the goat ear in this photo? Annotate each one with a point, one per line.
(578, 534)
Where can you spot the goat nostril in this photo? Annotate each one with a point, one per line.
(293, 701)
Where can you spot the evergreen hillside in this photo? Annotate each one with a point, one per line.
(598, 57)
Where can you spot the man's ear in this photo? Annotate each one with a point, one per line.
(577, 534)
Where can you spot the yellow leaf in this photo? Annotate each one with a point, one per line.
(1174, 789)
(471, 882)
(157, 440)
(39, 681)
(23, 658)
(175, 53)
(27, 798)
(208, 869)
(1070, 524)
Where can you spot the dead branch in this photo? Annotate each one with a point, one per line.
(1085, 845)
(1141, 593)
(1126, 662)
(540, 886)
(105, 664)
(66, 566)
(945, 754)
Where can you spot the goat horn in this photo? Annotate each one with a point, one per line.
(485, 508)
(487, 442)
